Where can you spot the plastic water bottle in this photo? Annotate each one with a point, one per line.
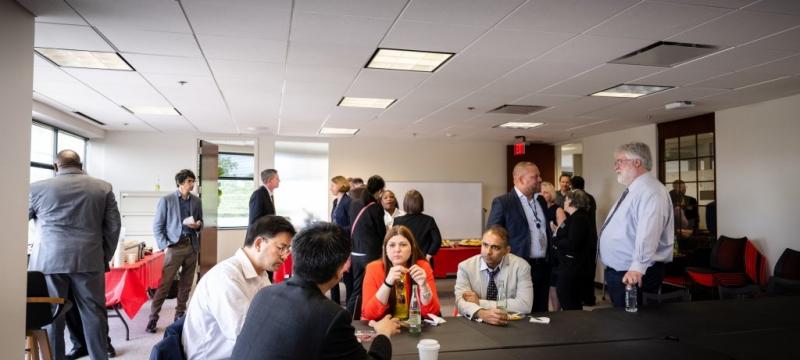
(630, 298)
(414, 316)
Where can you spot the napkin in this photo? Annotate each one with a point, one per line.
(540, 320)
(189, 220)
(435, 320)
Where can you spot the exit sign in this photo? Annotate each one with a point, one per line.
(519, 149)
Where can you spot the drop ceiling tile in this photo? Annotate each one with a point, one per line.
(152, 15)
(55, 12)
(737, 28)
(545, 99)
(657, 21)
(535, 76)
(246, 69)
(74, 37)
(776, 6)
(580, 107)
(457, 12)
(377, 83)
(726, 4)
(325, 54)
(152, 42)
(736, 80)
(367, 8)
(321, 73)
(246, 19)
(122, 87)
(787, 40)
(588, 49)
(423, 36)
(515, 44)
(243, 49)
(169, 124)
(600, 78)
(785, 66)
(339, 30)
(156, 64)
(772, 90)
(564, 16)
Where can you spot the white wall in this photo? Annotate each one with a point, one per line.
(757, 173)
(16, 87)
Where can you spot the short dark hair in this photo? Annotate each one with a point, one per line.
(579, 199)
(182, 175)
(375, 183)
(356, 181)
(565, 174)
(267, 226)
(319, 251)
(499, 231)
(413, 203)
(267, 174)
(577, 182)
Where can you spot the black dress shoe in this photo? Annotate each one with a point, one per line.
(151, 326)
(77, 354)
(111, 351)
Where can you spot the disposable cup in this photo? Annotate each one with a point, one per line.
(131, 258)
(428, 349)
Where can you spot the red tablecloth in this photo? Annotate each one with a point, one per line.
(446, 260)
(127, 285)
(284, 272)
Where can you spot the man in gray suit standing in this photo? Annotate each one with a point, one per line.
(77, 227)
(177, 224)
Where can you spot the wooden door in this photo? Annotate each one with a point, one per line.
(209, 194)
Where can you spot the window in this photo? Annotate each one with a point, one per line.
(235, 188)
(46, 142)
(686, 153)
(303, 169)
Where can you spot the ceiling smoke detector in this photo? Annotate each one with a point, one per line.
(685, 104)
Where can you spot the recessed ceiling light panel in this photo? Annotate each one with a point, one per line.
(85, 59)
(631, 90)
(409, 60)
(519, 125)
(665, 54)
(153, 110)
(517, 109)
(372, 103)
(337, 131)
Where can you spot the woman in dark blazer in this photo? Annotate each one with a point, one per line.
(424, 228)
(572, 240)
(340, 215)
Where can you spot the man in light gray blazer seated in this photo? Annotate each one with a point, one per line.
(177, 224)
(77, 229)
(480, 277)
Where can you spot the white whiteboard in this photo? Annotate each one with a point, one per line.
(457, 207)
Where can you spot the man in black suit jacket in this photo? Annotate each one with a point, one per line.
(528, 230)
(262, 202)
(294, 319)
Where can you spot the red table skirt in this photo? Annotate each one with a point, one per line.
(284, 272)
(127, 285)
(447, 259)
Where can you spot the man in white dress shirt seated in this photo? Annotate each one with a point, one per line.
(218, 307)
(480, 277)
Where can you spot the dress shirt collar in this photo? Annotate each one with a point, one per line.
(268, 190)
(68, 171)
(639, 182)
(520, 194)
(248, 270)
(485, 267)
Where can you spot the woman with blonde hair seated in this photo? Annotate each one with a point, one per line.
(388, 281)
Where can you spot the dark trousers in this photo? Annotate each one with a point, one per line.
(180, 256)
(358, 265)
(568, 287)
(587, 277)
(347, 280)
(88, 291)
(540, 275)
(651, 280)
(75, 327)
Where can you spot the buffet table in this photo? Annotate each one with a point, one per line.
(447, 259)
(127, 285)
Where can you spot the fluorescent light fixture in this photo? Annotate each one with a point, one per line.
(85, 59)
(374, 103)
(631, 90)
(410, 60)
(519, 125)
(152, 110)
(337, 131)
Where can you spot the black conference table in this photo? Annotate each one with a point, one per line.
(730, 329)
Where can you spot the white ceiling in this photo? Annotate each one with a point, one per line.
(281, 66)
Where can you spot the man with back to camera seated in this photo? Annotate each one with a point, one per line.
(476, 286)
(294, 319)
(217, 310)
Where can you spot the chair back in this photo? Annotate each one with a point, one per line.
(728, 254)
(37, 315)
(755, 264)
(788, 265)
(170, 347)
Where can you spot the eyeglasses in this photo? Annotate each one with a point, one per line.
(284, 250)
(619, 162)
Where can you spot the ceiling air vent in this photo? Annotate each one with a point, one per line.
(665, 54)
(517, 109)
(98, 122)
